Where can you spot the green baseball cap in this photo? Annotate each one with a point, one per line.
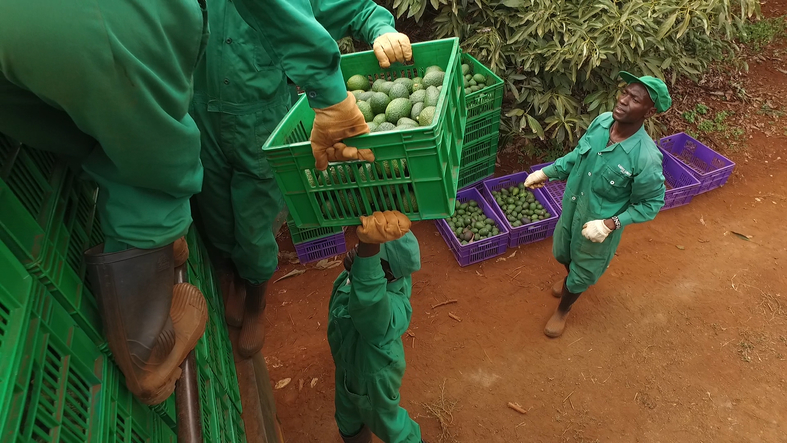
(657, 89)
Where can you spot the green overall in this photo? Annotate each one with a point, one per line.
(107, 85)
(367, 317)
(240, 95)
(625, 179)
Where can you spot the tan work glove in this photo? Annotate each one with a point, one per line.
(381, 227)
(342, 153)
(595, 231)
(392, 47)
(536, 180)
(334, 124)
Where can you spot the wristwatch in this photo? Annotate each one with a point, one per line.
(616, 221)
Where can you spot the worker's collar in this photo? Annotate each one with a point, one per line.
(628, 144)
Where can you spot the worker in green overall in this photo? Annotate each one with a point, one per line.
(615, 178)
(368, 312)
(240, 95)
(107, 85)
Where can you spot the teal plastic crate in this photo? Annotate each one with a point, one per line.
(415, 170)
(304, 235)
(58, 387)
(488, 99)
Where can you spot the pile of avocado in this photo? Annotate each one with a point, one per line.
(470, 224)
(472, 82)
(520, 205)
(404, 103)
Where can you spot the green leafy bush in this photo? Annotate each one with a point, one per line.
(560, 58)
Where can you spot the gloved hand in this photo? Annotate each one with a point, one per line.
(536, 180)
(595, 231)
(392, 47)
(334, 124)
(381, 227)
(342, 153)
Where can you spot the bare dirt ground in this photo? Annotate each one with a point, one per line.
(684, 339)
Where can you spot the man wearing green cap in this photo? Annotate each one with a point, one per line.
(614, 178)
(367, 315)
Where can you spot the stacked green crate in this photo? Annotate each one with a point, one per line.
(479, 152)
(55, 383)
(47, 220)
(217, 380)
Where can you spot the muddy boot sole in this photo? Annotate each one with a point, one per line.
(180, 252)
(189, 314)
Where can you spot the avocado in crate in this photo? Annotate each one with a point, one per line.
(416, 167)
(527, 214)
(483, 88)
(401, 104)
(474, 233)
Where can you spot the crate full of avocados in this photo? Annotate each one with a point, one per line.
(416, 114)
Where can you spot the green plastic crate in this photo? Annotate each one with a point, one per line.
(475, 173)
(48, 220)
(214, 349)
(482, 126)
(58, 388)
(488, 99)
(221, 421)
(16, 297)
(480, 149)
(424, 162)
(303, 235)
(124, 419)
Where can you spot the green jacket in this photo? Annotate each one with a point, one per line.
(243, 70)
(368, 314)
(625, 179)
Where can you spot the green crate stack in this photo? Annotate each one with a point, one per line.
(214, 349)
(57, 379)
(48, 219)
(479, 153)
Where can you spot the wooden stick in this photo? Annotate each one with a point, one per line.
(517, 408)
(452, 315)
(443, 303)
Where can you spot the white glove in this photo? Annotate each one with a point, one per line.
(595, 231)
(536, 180)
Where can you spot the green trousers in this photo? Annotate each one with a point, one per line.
(373, 400)
(587, 261)
(108, 85)
(240, 203)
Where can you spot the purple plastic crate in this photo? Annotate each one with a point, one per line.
(684, 184)
(531, 232)
(478, 250)
(321, 248)
(554, 189)
(708, 166)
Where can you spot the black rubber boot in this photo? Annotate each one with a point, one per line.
(150, 323)
(557, 288)
(362, 436)
(557, 323)
(133, 289)
(252, 334)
